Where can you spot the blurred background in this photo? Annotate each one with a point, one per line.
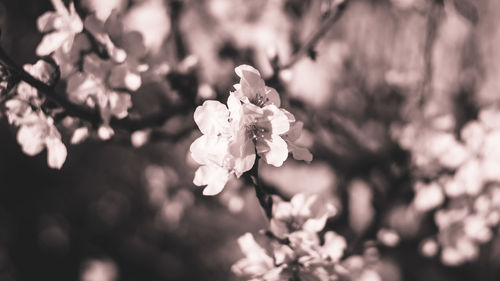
(120, 212)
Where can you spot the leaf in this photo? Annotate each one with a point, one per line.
(467, 9)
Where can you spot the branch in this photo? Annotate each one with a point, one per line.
(73, 109)
(85, 113)
(315, 37)
(265, 200)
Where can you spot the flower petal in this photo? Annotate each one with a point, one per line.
(334, 246)
(214, 177)
(51, 42)
(118, 104)
(56, 152)
(300, 153)
(48, 22)
(251, 83)
(31, 139)
(242, 151)
(278, 151)
(207, 150)
(212, 118)
(246, 69)
(272, 96)
(278, 119)
(256, 262)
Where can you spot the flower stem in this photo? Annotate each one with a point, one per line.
(265, 199)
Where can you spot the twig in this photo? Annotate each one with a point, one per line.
(282, 241)
(73, 109)
(433, 19)
(92, 116)
(315, 37)
(265, 200)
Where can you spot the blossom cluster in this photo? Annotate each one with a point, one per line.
(100, 76)
(105, 83)
(463, 188)
(36, 129)
(295, 250)
(252, 124)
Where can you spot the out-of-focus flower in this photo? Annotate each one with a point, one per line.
(68, 60)
(428, 197)
(388, 237)
(79, 135)
(99, 270)
(304, 258)
(102, 9)
(429, 247)
(291, 137)
(465, 220)
(304, 212)
(334, 246)
(256, 263)
(140, 137)
(150, 19)
(62, 26)
(93, 86)
(36, 132)
(42, 71)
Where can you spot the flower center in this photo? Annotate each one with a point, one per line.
(259, 100)
(256, 132)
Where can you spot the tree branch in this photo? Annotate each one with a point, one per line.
(315, 37)
(265, 199)
(85, 113)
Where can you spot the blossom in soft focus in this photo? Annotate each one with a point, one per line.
(252, 124)
(256, 263)
(303, 258)
(428, 196)
(304, 212)
(62, 26)
(68, 60)
(93, 87)
(41, 70)
(36, 132)
(99, 270)
(36, 129)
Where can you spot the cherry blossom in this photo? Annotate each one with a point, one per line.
(92, 87)
(252, 88)
(304, 212)
(62, 26)
(250, 125)
(36, 132)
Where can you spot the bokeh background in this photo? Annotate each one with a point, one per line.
(117, 212)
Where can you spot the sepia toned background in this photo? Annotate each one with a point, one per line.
(117, 212)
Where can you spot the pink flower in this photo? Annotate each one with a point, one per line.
(304, 212)
(62, 27)
(252, 88)
(36, 132)
(252, 124)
